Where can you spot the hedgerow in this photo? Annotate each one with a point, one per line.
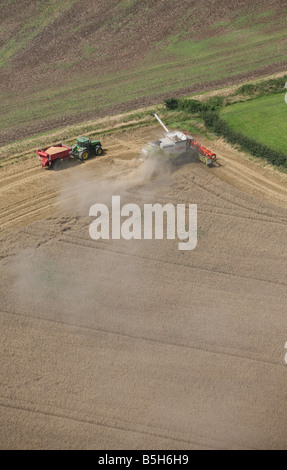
(266, 87)
(209, 110)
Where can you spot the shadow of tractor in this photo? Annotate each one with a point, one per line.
(66, 163)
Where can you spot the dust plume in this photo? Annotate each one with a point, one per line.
(81, 190)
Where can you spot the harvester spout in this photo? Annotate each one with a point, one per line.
(161, 123)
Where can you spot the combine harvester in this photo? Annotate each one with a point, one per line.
(176, 143)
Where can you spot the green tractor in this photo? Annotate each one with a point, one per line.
(85, 148)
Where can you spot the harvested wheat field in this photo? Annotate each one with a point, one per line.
(116, 344)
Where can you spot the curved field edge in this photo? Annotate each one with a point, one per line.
(112, 125)
(257, 121)
(26, 148)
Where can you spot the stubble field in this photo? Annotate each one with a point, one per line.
(118, 344)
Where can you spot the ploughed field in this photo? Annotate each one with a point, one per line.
(70, 61)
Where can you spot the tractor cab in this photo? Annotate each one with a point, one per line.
(83, 142)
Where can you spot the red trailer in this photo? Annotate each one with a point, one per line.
(53, 156)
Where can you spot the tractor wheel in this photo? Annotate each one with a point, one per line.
(58, 165)
(84, 155)
(98, 150)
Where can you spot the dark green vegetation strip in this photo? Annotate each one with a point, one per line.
(263, 88)
(214, 111)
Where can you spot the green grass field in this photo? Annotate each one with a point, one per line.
(263, 119)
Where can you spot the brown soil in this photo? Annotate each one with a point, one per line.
(87, 41)
(43, 125)
(115, 344)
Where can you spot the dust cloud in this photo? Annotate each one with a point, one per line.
(120, 178)
(43, 282)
